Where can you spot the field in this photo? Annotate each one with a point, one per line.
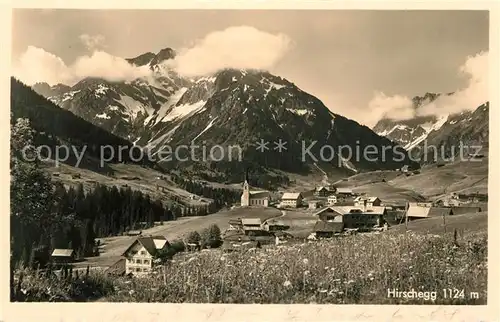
(355, 269)
(113, 247)
(433, 182)
(462, 223)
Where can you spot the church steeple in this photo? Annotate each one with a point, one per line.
(245, 184)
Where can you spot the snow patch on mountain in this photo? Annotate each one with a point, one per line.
(103, 116)
(184, 110)
(165, 138)
(167, 107)
(300, 112)
(205, 129)
(132, 107)
(69, 95)
(396, 127)
(101, 90)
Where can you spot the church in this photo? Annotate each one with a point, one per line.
(254, 198)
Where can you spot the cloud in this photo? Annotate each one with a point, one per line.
(399, 107)
(38, 65)
(106, 66)
(469, 98)
(92, 43)
(240, 47)
(395, 107)
(235, 47)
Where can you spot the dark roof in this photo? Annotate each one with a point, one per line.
(147, 242)
(327, 226)
(118, 268)
(465, 210)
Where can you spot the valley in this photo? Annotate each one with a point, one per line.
(294, 226)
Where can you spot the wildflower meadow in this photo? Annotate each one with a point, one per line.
(351, 270)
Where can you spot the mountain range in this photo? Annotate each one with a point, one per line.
(445, 131)
(228, 108)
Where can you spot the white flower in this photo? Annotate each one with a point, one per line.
(306, 272)
(287, 283)
(222, 258)
(305, 261)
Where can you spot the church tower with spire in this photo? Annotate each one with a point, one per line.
(245, 196)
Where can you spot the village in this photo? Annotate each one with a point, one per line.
(328, 211)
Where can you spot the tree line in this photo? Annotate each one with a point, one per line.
(221, 197)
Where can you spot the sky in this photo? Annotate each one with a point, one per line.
(364, 65)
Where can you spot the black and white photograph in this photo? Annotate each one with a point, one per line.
(250, 156)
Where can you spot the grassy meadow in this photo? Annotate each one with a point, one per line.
(357, 269)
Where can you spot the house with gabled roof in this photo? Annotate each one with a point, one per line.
(140, 254)
(353, 217)
(416, 211)
(326, 229)
(344, 191)
(367, 201)
(63, 256)
(291, 199)
(251, 224)
(321, 191)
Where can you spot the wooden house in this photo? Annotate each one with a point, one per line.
(321, 192)
(140, 254)
(62, 256)
(273, 225)
(354, 217)
(367, 201)
(327, 229)
(235, 224)
(344, 192)
(418, 212)
(251, 224)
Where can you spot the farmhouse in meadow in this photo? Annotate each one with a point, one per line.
(422, 210)
(353, 217)
(326, 229)
(366, 201)
(139, 255)
(251, 224)
(291, 200)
